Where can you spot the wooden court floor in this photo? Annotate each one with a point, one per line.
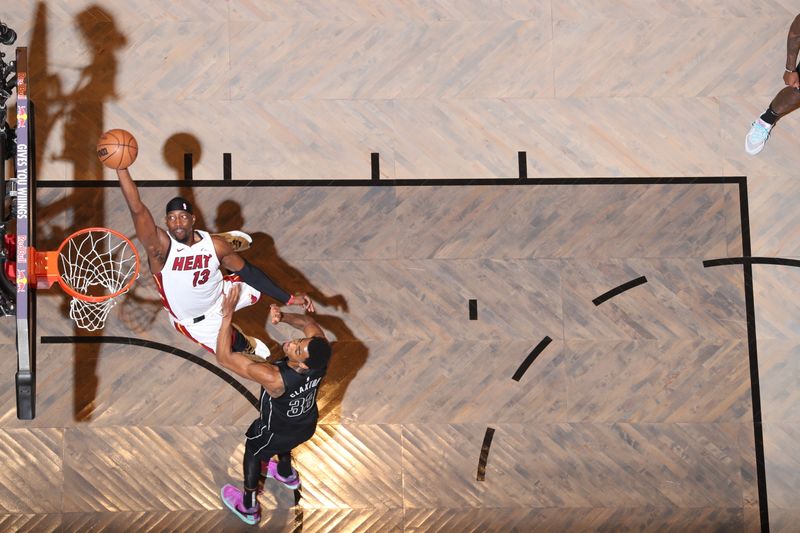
(637, 415)
(638, 410)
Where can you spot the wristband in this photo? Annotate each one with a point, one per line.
(789, 71)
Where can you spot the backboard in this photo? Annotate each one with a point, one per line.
(25, 239)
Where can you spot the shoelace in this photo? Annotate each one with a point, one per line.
(760, 133)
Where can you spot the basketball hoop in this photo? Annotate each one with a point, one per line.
(94, 266)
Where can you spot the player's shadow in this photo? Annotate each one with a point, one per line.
(264, 255)
(349, 354)
(229, 217)
(80, 112)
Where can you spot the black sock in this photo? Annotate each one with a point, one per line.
(252, 469)
(770, 116)
(239, 343)
(285, 464)
(249, 501)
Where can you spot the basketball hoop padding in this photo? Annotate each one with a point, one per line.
(45, 269)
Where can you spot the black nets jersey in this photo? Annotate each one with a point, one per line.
(296, 408)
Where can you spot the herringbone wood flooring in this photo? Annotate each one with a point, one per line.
(636, 416)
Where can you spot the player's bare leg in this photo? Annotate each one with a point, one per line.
(786, 101)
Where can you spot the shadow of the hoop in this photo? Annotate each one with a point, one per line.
(137, 309)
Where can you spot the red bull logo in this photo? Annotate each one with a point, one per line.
(22, 87)
(22, 280)
(22, 116)
(22, 250)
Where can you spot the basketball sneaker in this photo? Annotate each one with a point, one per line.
(232, 498)
(757, 137)
(292, 482)
(255, 346)
(259, 349)
(239, 240)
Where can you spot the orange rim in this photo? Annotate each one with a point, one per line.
(97, 299)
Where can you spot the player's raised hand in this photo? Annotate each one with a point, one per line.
(229, 301)
(275, 314)
(308, 305)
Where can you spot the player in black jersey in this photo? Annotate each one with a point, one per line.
(288, 404)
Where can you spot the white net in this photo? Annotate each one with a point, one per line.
(97, 264)
(90, 315)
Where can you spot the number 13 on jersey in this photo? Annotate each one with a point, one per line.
(200, 277)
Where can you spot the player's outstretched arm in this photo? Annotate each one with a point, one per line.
(151, 236)
(263, 373)
(304, 323)
(255, 277)
(790, 75)
(793, 44)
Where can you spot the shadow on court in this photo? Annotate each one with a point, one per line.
(79, 112)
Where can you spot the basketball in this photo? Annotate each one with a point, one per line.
(117, 149)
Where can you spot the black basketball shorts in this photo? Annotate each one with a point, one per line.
(265, 443)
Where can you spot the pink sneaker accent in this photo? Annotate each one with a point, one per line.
(292, 482)
(232, 498)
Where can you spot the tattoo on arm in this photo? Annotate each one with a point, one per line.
(793, 44)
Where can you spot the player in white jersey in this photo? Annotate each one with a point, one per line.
(186, 262)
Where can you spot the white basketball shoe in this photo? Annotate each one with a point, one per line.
(757, 137)
(239, 240)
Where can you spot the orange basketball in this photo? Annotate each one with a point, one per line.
(117, 149)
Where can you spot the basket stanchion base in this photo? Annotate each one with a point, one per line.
(26, 388)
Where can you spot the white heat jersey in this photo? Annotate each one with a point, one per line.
(190, 282)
